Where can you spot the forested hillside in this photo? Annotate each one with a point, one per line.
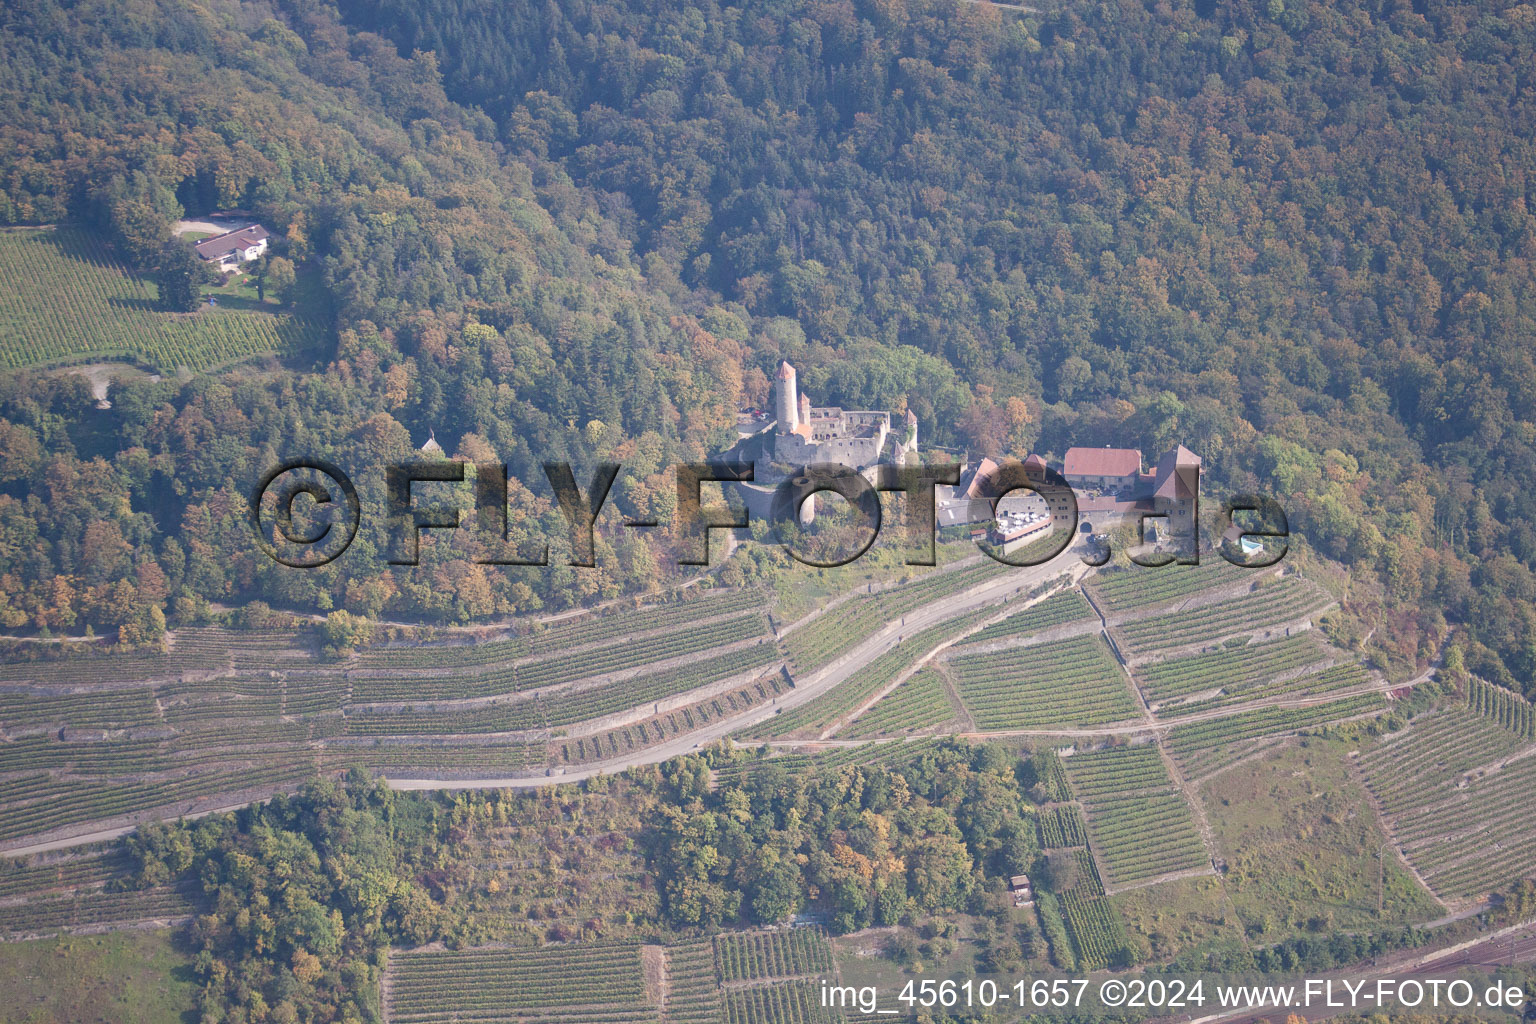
(339, 873)
(1293, 236)
(464, 303)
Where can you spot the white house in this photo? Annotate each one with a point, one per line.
(233, 248)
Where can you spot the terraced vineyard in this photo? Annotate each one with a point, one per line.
(68, 299)
(1122, 589)
(187, 703)
(1093, 925)
(759, 977)
(1270, 605)
(834, 633)
(918, 703)
(1348, 676)
(227, 713)
(1056, 610)
(690, 639)
(1065, 683)
(92, 802)
(580, 706)
(48, 783)
(693, 995)
(658, 728)
(1143, 837)
(1455, 786)
(442, 656)
(97, 907)
(785, 1002)
(1095, 774)
(99, 667)
(559, 708)
(1201, 748)
(557, 668)
(577, 983)
(452, 685)
(1137, 822)
(1510, 710)
(100, 709)
(755, 956)
(1062, 825)
(36, 875)
(501, 717)
(599, 629)
(826, 708)
(441, 760)
(1230, 667)
(1098, 934)
(589, 630)
(315, 695)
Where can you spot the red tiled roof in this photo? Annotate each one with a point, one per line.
(1102, 462)
(981, 482)
(1178, 475)
(231, 241)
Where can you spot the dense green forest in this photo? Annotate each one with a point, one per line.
(301, 897)
(1293, 236)
(304, 894)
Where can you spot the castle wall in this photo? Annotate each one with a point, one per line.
(856, 452)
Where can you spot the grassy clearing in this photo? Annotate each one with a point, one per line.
(131, 977)
(861, 957)
(1182, 916)
(1300, 844)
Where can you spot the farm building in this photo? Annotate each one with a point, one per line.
(233, 248)
(1111, 469)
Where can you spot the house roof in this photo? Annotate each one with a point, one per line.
(981, 480)
(230, 241)
(1102, 462)
(1177, 477)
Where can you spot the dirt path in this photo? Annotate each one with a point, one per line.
(1170, 876)
(653, 963)
(963, 716)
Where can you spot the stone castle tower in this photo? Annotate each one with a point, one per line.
(787, 401)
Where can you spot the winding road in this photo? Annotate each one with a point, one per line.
(807, 687)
